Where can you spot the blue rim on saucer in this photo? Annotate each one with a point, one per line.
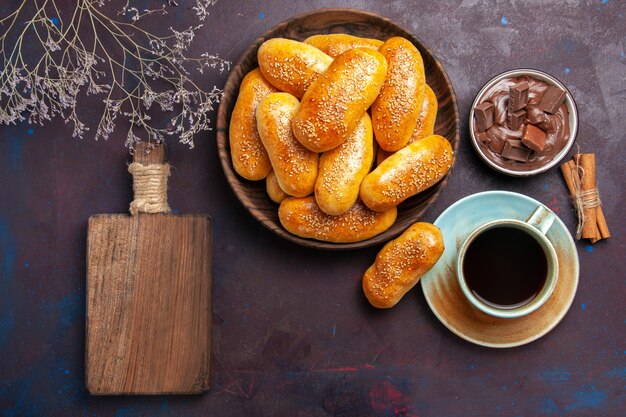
(445, 298)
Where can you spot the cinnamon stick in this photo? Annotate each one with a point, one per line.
(579, 175)
(603, 227)
(572, 180)
(587, 163)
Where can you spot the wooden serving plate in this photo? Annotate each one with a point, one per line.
(252, 194)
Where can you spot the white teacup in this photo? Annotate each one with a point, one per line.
(500, 289)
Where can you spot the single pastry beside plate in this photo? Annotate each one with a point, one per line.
(401, 263)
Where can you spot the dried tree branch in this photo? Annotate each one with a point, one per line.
(86, 51)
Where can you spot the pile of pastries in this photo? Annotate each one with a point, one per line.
(341, 128)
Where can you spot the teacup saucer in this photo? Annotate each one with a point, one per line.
(444, 295)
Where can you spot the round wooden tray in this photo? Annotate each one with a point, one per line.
(252, 194)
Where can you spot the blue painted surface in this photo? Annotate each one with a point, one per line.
(22, 404)
(587, 398)
(7, 261)
(14, 153)
(70, 309)
(125, 412)
(550, 406)
(556, 375)
(617, 372)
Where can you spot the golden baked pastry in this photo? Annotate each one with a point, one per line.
(425, 125)
(342, 169)
(334, 104)
(428, 116)
(397, 108)
(276, 194)
(248, 154)
(407, 172)
(291, 66)
(294, 165)
(303, 217)
(335, 44)
(401, 263)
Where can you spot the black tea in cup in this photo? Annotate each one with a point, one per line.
(505, 267)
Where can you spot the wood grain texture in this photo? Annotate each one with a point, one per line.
(354, 22)
(150, 153)
(148, 304)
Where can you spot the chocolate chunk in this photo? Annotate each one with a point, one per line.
(518, 96)
(534, 138)
(513, 149)
(548, 124)
(534, 114)
(496, 146)
(484, 116)
(552, 99)
(515, 119)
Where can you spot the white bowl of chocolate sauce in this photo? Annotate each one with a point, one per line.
(523, 122)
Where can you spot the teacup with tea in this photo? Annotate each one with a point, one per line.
(507, 267)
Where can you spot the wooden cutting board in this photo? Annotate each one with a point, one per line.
(148, 299)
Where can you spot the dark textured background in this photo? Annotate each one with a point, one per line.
(293, 334)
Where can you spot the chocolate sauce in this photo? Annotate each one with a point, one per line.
(505, 267)
(556, 126)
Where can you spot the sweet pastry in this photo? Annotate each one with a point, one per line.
(401, 263)
(248, 154)
(397, 108)
(335, 44)
(276, 194)
(304, 218)
(342, 169)
(425, 125)
(334, 104)
(291, 66)
(407, 172)
(294, 165)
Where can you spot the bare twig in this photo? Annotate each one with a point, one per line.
(88, 52)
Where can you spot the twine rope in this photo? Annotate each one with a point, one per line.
(150, 188)
(583, 199)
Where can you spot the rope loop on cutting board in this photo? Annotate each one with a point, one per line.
(150, 188)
